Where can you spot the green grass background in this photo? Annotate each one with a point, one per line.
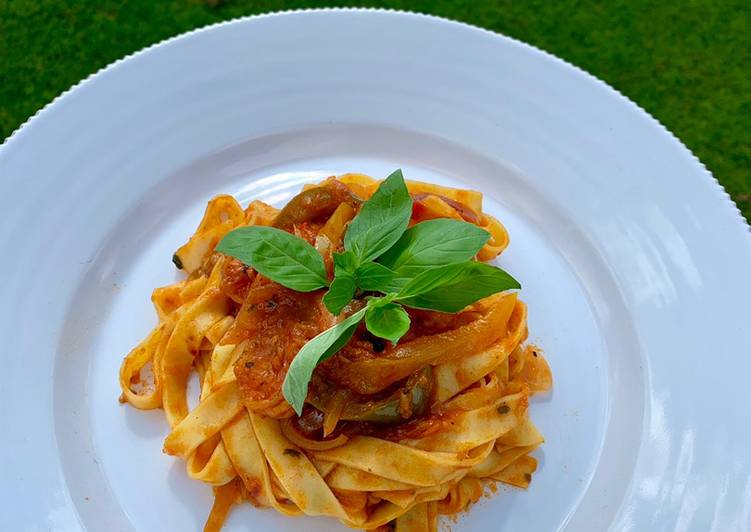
(688, 63)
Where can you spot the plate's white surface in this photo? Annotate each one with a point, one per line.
(634, 262)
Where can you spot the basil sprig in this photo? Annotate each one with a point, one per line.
(428, 266)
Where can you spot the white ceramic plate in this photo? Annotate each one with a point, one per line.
(634, 262)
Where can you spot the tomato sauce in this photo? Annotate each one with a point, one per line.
(235, 280)
(276, 323)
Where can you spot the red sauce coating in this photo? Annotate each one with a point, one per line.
(236, 278)
(277, 322)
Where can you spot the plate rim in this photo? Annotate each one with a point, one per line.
(9, 142)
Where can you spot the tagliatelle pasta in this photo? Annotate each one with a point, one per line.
(391, 436)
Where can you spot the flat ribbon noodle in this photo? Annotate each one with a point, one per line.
(222, 214)
(134, 362)
(477, 426)
(296, 473)
(183, 344)
(400, 462)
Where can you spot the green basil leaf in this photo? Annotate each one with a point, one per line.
(387, 320)
(345, 262)
(374, 277)
(344, 286)
(340, 293)
(431, 279)
(434, 243)
(278, 255)
(295, 386)
(381, 220)
(452, 287)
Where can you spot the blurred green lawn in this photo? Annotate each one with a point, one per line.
(686, 62)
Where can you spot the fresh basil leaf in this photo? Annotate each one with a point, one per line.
(431, 279)
(278, 255)
(374, 277)
(340, 293)
(345, 262)
(434, 243)
(344, 285)
(387, 320)
(452, 287)
(295, 386)
(381, 220)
